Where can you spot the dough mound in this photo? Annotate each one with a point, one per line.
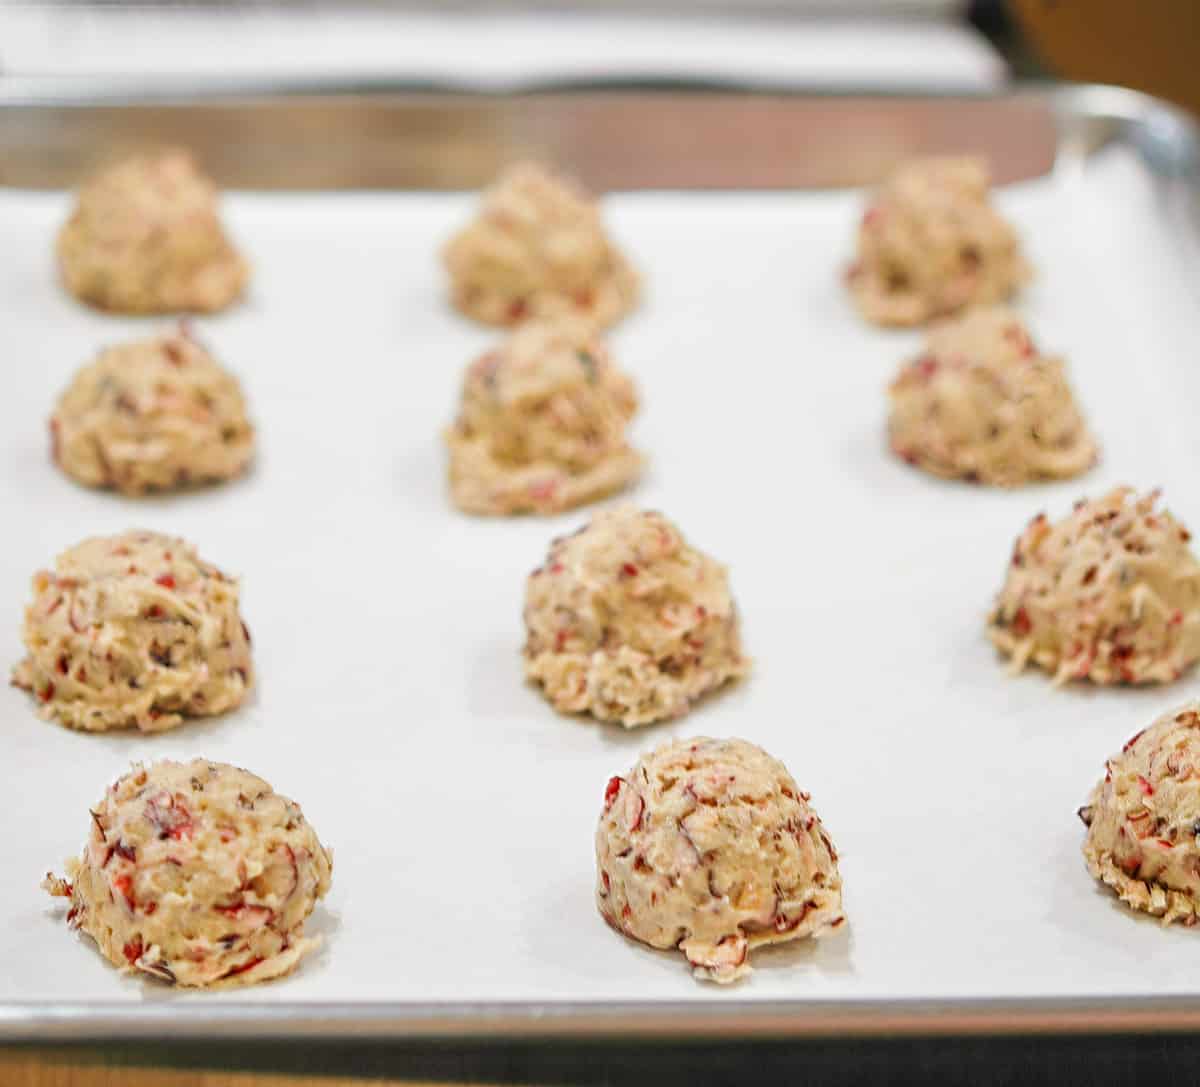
(930, 245)
(541, 426)
(538, 249)
(627, 622)
(134, 630)
(982, 404)
(145, 237)
(198, 873)
(1143, 819)
(1110, 593)
(152, 415)
(709, 846)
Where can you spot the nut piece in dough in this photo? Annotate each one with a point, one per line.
(1111, 593)
(1143, 819)
(134, 630)
(538, 249)
(541, 425)
(930, 244)
(145, 237)
(626, 622)
(152, 415)
(709, 846)
(197, 873)
(982, 404)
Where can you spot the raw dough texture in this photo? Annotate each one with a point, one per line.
(134, 630)
(541, 426)
(152, 415)
(1143, 819)
(930, 244)
(538, 249)
(710, 847)
(1110, 593)
(982, 404)
(145, 237)
(197, 873)
(627, 622)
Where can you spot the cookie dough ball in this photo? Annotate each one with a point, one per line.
(145, 237)
(538, 249)
(134, 631)
(541, 426)
(1110, 593)
(709, 846)
(930, 244)
(1143, 819)
(152, 415)
(982, 404)
(197, 873)
(626, 622)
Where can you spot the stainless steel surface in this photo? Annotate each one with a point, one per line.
(50, 136)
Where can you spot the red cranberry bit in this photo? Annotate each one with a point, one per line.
(1176, 618)
(610, 791)
(1132, 740)
(123, 885)
(248, 965)
(605, 881)
(165, 580)
(64, 665)
(132, 950)
(1021, 624)
(47, 692)
(173, 353)
(125, 851)
(543, 490)
(1130, 866)
(154, 612)
(556, 568)
(926, 366)
(517, 309)
(629, 570)
(169, 816)
(1145, 786)
(639, 809)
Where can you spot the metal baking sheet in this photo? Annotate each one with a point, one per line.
(387, 627)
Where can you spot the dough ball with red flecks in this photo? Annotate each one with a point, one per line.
(931, 244)
(134, 631)
(197, 873)
(538, 248)
(710, 847)
(152, 415)
(542, 424)
(1111, 594)
(626, 621)
(146, 237)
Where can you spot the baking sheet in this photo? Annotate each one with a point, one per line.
(387, 627)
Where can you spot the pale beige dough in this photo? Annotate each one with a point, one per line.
(1110, 593)
(146, 237)
(625, 621)
(981, 403)
(930, 244)
(538, 249)
(709, 846)
(1143, 819)
(134, 631)
(197, 873)
(541, 424)
(152, 415)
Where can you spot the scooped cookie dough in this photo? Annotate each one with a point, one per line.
(145, 237)
(1143, 819)
(1110, 594)
(538, 249)
(626, 622)
(541, 426)
(930, 244)
(197, 873)
(982, 404)
(152, 415)
(709, 846)
(134, 631)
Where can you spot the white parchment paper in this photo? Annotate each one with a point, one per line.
(387, 627)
